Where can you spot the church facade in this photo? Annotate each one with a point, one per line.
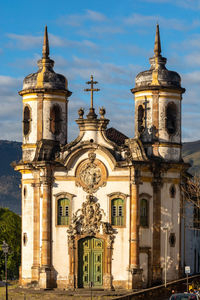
(104, 209)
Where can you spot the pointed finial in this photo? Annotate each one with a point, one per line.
(157, 45)
(45, 49)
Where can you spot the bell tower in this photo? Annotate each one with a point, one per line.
(158, 95)
(45, 100)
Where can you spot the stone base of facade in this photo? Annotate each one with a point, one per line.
(135, 281)
(107, 282)
(120, 284)
(35, 273)
(47, 280)
(156, 275)
(62, 284)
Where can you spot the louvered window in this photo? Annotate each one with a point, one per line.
(117, 212)
(63, 211)
(144, 212)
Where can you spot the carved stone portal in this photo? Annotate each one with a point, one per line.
(87, 221)
(91, 174)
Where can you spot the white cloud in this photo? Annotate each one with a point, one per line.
(25, 41)
(189, 4)
(28, 41)
(140, 20)
(77, 20)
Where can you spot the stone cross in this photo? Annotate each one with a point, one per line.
(92, 89)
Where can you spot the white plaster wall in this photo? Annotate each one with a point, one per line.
(190, 241)
(170, 219)
(163, 134)
(27, 227)
(121, 244)
(144, 267)
(170, 153)
(47, 134)
(145, 234)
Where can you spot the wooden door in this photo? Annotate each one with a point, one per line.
(90, 262)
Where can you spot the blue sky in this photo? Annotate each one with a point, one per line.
(112, 40)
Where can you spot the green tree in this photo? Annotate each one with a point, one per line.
(10, 232)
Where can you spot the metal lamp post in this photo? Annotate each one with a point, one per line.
(5, 251)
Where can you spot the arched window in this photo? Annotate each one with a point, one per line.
(63, 211)
(55, 119)
(171, 115)
(144, 211)
(140, 118)
(117, 212)
(26, 120)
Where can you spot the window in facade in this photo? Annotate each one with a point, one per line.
(55, 119)
(25, 238)
(144, 213)
(171, 115)
(63, 211)
(172, 191)
(26, 120)
(117, 212)
(172, 239)
(140, 118)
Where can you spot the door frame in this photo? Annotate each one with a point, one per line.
(107, 260)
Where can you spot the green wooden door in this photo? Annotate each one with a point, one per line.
(90, 259)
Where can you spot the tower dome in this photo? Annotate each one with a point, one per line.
(158, 75)
(45, 77)
(158, 95)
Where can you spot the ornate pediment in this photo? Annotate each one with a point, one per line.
(91, 174)
(136, 150)
(88, 220)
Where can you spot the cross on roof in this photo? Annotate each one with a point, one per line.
(92, 89)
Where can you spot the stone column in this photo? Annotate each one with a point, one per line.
(72, 272)
(156, 253)
(134, 266)
(46, 260)
(36, 232)
(107, 278)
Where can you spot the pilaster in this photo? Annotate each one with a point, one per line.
(156, 251)
(134, 266)
(46, 259)
(36, 230)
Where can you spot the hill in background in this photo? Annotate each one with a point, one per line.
(9, 179)
(10, 194)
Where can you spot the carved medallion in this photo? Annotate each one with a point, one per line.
(91, 174)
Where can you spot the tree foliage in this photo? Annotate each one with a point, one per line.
(10, 232)
(191, 194)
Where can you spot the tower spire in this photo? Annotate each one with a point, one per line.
(157, 45)
(45, 49)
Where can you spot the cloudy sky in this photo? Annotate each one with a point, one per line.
(111, 39)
